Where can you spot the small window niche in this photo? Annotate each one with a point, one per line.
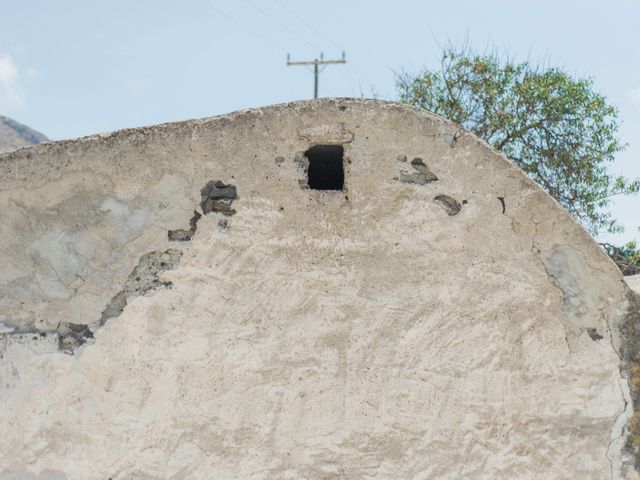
(326, 167)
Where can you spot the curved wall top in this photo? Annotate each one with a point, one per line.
(176, 302)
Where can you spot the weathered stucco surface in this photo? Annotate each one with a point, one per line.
(634, 283)
(441, 317)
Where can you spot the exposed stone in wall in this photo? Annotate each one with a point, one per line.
(77, 334)
(415, 172)
(448, 204)
(144, 277)
(182, 235)
(216, 197)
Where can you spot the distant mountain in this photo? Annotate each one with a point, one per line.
(15, 135)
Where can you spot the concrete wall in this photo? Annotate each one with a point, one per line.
(634, 283)
(438, 318)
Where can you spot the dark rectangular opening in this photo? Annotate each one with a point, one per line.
(326, 170)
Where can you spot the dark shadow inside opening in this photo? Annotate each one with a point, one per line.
(326, 170)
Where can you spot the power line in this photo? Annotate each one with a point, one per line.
(315, 62)
(252, 32)
(308, 25)
(282, 25)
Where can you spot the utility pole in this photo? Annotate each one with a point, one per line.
(316, 71)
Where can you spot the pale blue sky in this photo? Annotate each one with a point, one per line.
(75, 67)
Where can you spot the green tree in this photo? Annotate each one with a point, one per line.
(626, 257)
(552, 124)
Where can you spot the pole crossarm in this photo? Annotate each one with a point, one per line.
(316, 71)
(317, 62)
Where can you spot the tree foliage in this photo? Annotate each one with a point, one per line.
(553, 125)
(626, 257)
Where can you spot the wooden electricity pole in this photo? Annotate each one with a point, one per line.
(316, 71)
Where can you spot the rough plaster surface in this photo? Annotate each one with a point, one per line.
(441, 318)
(634, 283)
